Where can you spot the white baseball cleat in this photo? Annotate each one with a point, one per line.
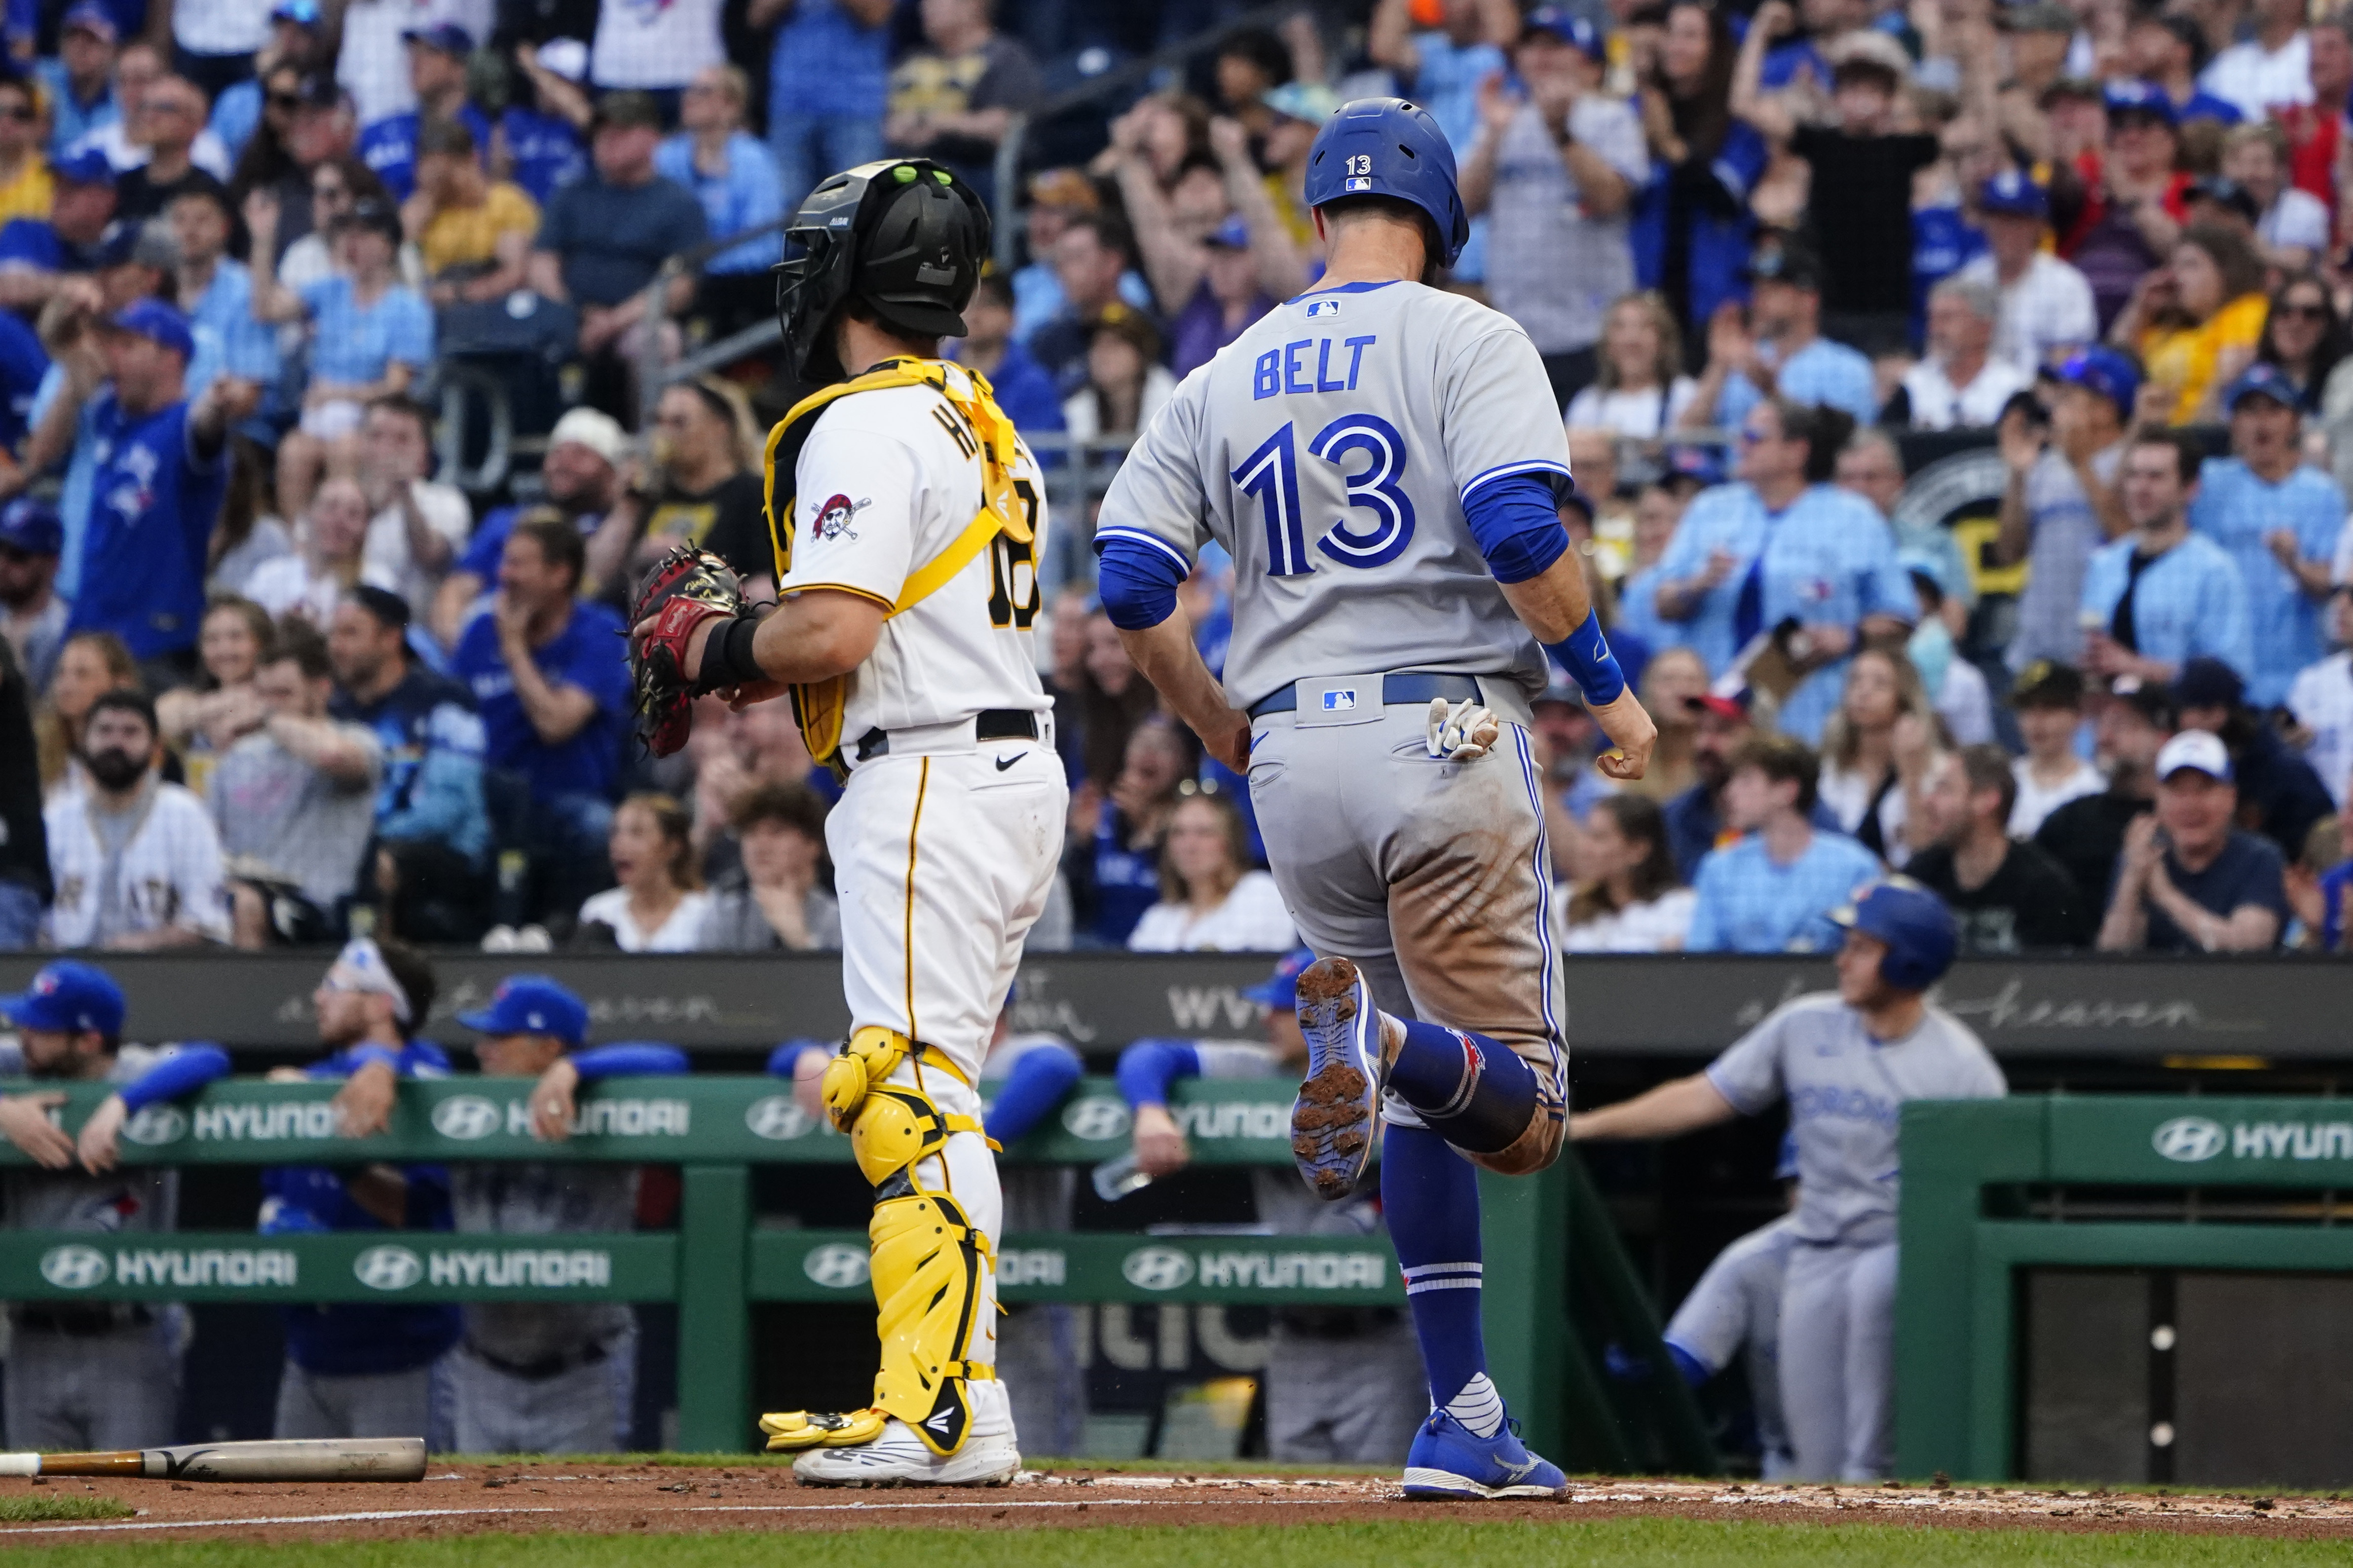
(988, 1458)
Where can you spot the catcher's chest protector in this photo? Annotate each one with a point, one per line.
(817, 705)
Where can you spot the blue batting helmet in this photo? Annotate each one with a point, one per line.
(1915, 925)
(1389, 147)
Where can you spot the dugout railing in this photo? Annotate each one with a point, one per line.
(2127, 1288)
(718, 1260)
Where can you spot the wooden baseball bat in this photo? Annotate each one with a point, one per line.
(296, 1459)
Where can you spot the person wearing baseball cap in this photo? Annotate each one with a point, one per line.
(2046, 304)
(78, 81)
(36, 252)
(32, 612)
(541, 1377)
(2048, 699)
(2109, 244)
(437, 54)
(1346, 1385)
(2278, 519)
(580, 478)
(2061, 500)
(2189, 879)
(159, 482)
(89, 1373)
(1785, 316)
(2280, 795)
(1554, 170)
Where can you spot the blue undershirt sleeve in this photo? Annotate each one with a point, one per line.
(781, 1060)
(1516, 521)
(1147, 1067)
(183, 1072)
(638, 1059)
(1038, 1082)
(1137, 581)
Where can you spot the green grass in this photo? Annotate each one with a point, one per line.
(1603, 1543)
(32, 1507)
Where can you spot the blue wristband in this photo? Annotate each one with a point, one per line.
(1585, 654)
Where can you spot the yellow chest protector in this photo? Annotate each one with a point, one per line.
(1008, 506)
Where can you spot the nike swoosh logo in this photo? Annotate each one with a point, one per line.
(1005, 763)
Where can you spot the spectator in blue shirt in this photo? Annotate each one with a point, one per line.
(581, 476)
(216, 292)
(2279, 520)
(829, 76)
(2161, 595)
(1695, 819)
(548, 676)
(432, 827)
(1776, 348)
(1441, 68)
(372, 336)
(78, 83)
(544, 128)
(1023, 388)
(35, 253)
(358, 1370)
(1782, 551)
(1774, 890)
(23, 365)
(159, 477)
(437, 69)
(733, 174)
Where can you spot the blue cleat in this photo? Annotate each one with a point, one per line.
(1448, 1460)
(1338, 1108)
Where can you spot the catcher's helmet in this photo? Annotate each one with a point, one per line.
(905, 234)
(1915, 925)
(1388, 147)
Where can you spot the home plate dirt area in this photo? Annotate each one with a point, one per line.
(622, 1499)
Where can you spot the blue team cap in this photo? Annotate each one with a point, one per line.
(1577, 32)
(1232, 235)
(1920, 563)
(154, 320)
(1785, 1169)
(2013, 194)
(2130, 96)
(67, 995)
(85, 168)
(301, 13)
(1282, 988)
(532, 1004)
(2261, 380)
(93, 19)
(2108, 373)
(447, 37)
(30, 527)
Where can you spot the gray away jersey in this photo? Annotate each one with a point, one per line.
(1846, 1094)
(128, 1198)
(1329, 449)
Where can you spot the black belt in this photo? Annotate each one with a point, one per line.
(542, 1369)
(1404, 685)
(81, 1322)
(995, 724)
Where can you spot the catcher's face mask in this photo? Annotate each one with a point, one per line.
(905, 234)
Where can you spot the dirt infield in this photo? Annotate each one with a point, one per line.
(625, 1498)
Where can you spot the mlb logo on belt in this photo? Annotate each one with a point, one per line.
(1323, 307)
(1358, 184)
(1339, 701)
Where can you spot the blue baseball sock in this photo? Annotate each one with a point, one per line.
(1429, 1195)
(1473, 1091)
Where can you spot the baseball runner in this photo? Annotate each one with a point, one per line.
(1846, 1061)
(1382, 461)
(906, 517)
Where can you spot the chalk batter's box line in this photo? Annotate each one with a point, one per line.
(375, 1515)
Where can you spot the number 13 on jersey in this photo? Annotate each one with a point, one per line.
(1271, 474)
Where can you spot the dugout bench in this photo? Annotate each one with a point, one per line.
(1545, 1328)
(2127, 1288)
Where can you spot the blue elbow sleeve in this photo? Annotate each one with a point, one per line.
(1147, 1067)
(1137, 576)
(185, 1071)
(1585, 654)
(1516, 521)
(637, 1058)
(1038, 1083)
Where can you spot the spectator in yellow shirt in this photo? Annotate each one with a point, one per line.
(473, 232)
(2195, 323)
(26, 188)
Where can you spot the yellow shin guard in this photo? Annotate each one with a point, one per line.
(929, 1269)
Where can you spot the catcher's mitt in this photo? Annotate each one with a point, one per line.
(686, 588)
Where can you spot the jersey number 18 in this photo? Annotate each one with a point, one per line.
(1272, 474)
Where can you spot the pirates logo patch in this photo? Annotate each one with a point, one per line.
(832, 518)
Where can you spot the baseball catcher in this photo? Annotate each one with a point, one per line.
(906, 516)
